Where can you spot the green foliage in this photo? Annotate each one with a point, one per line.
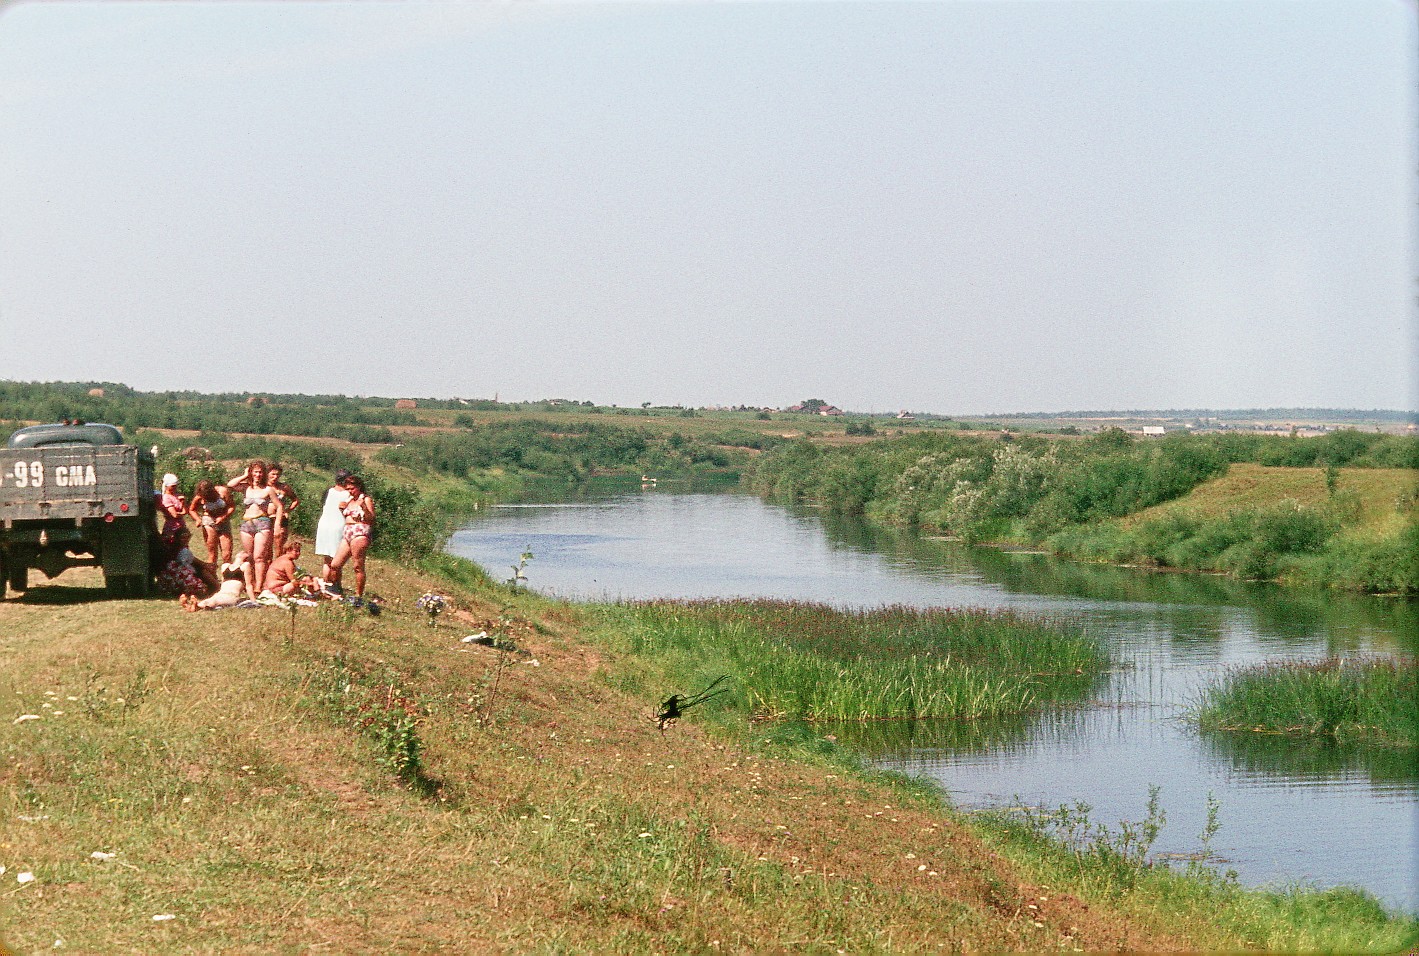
(305, 415)
(378, 706)
(567, 451)
(1284, 540)
(975, 487)
(1120, 852)
(1369, 700)
(812, 662)
(1064, 495)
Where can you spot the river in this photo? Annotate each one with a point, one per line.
(1290, 811)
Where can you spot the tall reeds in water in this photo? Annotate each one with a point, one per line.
(1371, 700)
(814, 662)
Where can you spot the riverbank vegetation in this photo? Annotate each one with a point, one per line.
(1111, 497)
(800, 661)
(1364, 701)
(262, 782)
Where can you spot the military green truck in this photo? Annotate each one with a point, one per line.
(73, 495)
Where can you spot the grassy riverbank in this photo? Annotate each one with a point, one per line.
(1370, 701)
(1334, 511)
(374, 784)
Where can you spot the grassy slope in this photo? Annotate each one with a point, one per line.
(198, 752)
(1375, 491)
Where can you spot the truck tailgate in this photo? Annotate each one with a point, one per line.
(71, 482)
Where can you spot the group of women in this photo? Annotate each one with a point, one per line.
(342, 537)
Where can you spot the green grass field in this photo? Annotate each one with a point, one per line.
(245, 781)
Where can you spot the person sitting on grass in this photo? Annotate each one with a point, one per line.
(282, 579)
(236, 582)
(182, 573)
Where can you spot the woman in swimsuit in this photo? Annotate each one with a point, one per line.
(289, 502)
(355, 541)
(212, 506)
(236, 586)
(331, 528)
(262, 508)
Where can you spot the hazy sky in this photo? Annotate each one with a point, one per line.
(941, 206)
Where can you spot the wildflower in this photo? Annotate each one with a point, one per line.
(433, 605)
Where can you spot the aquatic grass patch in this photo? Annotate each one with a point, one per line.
(810, 661)
(1371, 700)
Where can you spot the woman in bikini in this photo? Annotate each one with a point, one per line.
(236, 587)
(331, 529)
(355, 541)
(262, 508)
(212, 506)
(289, 502)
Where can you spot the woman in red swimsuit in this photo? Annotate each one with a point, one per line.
(359, 526)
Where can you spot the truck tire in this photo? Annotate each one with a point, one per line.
(126, 585)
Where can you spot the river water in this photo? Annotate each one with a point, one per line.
(1290, 811)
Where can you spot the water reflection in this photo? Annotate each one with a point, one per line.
(1300, 758)
(1347, 623)
(908, 740)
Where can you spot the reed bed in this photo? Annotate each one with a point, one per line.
(1370, 700)
(808, 661)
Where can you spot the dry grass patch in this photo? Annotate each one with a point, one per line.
(1375, 493)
